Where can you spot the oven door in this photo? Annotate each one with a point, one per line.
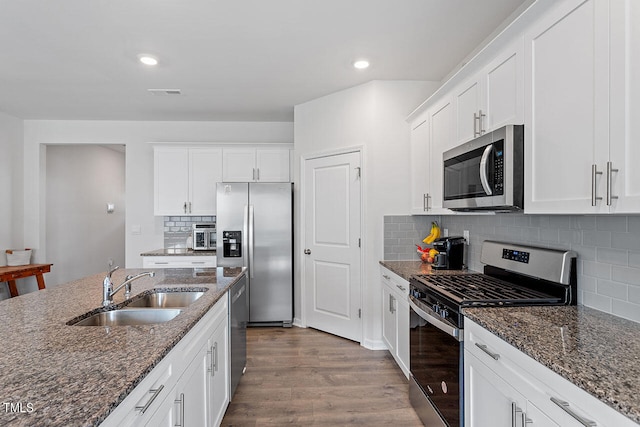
(436, 366)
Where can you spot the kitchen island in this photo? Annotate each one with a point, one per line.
(55, 374)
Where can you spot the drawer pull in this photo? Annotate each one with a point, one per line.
(402, 288)
(161, 262)
(484, 348)
(156, 392)
(386, 276)
(567, 408)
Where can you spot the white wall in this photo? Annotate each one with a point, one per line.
(81, 235)
(139, 167)
(11, 136)
(370, 116)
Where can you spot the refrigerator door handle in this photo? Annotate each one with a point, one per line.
(245, 239)
(251, 240)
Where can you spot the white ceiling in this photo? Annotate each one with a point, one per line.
(232, 59)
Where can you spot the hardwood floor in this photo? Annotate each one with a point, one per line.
(303, 377)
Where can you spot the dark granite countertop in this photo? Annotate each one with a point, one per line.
(406, 269)
(178, 252)
(598, 352)
(74, 375)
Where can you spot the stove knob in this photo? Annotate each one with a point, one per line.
(436, 308)
(444, 313)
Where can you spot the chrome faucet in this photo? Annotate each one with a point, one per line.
(107, 286)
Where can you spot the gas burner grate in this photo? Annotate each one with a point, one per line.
(480, 289)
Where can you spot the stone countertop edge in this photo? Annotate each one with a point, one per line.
(178, 252)
(406, 269)
(598, 352)
(62, 375)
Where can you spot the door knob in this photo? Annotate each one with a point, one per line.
(307, 251)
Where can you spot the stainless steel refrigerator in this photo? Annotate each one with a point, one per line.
(255, 230)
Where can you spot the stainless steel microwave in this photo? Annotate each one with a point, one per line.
(204, 237)
(486, 173)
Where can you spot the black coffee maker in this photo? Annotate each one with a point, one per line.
(450, 253)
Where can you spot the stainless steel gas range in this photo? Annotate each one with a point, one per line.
(514, 275)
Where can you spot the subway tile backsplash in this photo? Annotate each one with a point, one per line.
(178, 228)
(608, 248)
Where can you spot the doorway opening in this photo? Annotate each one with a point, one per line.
(85, 209)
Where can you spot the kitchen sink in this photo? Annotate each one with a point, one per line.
(129, 317)
(166, 299)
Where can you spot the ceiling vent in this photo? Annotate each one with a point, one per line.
(164, 92)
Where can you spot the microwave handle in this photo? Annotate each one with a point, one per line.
(484, 179)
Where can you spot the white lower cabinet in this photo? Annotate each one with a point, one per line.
(190, 386)
(177, 261)
(395, 317)
(505, 387)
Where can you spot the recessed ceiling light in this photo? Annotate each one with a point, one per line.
(361, 64)
(148, 60)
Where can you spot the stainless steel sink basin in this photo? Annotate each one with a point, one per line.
(129, 317)
(166, 299)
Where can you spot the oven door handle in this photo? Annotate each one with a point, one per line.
(430, 316)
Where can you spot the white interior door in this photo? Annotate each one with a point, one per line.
(332, 253)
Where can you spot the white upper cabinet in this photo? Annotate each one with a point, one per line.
(504, 88)
(420, 164)
(469, 114)
(441, 139)
(583, 109)
(185, 180)
(493, 97)
(567, 114)
(249, 164)
(624, 143)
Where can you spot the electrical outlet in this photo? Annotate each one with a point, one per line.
(445, 232)
(465, 234)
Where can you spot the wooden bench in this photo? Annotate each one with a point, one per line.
(9, 274)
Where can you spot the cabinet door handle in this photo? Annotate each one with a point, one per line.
(391, 309)
(567, 408)
(185, 207)
(189, 207)
(514, 413)
(402, 288)
(610, 170)
(484, 348)
(254, 174)
(181, 402)
(156, 392)
(257, 174)
(425, 201)
(594, 174)
(213, 367)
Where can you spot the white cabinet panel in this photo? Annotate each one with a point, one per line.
(205, 170)
(395, 317)
(441, 139)
(504, 88)
(251, 164)
(185, 180)
(191, 261)
(218, 384)
(567, 114)
(238, 164)
(171, 169)
(625, 106)
(468, 106)
(419, 165)
(272, 165)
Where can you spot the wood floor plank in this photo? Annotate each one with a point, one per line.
(304, 377)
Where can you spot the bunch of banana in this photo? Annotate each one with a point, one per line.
(435, 233)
